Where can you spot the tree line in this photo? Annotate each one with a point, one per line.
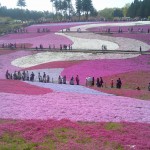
(63, 10)
(137, 8)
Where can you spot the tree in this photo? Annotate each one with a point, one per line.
(139, 8)
(21, 3)
(79, 8)
(125, 9)
(118, 13)
(87, 7)
(107, 13)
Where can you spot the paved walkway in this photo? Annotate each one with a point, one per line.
(68, 88)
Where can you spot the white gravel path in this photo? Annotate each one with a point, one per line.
(112, 43)
(88, 43)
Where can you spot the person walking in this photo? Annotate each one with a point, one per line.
(77, 80)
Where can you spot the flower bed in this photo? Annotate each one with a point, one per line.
(74, 106)
(65, 134)
(5, 61)
(104, 68)
(18, 87)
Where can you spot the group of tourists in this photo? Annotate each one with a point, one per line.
(90, 81)
(130, 30)
(25, 76)
(62, 80)
(9, 45)
(52, 47)
(104, 47)
(13, 45)
(17, 30)
(43, 30)
(65, 47)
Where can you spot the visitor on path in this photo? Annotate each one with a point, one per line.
(15, 76)
(118, 84)
(101, 82)
(77, 80)
(93, 81)
(27, 75)
(112, 84)
(19, 75)
(138, 88)
(47, 79)
(23, 75)
(149, 87)
(44, 77)
(72, 81)
(32, 77)
(140, 49)
(61, 47)
(59, 80)
(64, 79)
(97, 82)
(39, 77)
(7, 75)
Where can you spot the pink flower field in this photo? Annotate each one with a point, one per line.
(45, 116)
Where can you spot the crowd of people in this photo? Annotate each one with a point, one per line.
(90, 81)
(43, 30)
(53, 47)
(17, 30)
(13, 45)
(130, 30)
(45, 78)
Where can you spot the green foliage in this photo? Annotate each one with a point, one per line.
(21, 3)
(13, 141)
(139, 9)
(84, 140)
(61, 135)
(113, 126)
(107, 13)
(112, 145)
(7, 24)
(21, 14)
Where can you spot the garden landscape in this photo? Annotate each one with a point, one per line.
(49, 115)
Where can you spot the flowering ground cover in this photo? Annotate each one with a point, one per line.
(66, 135)
(33, 39)
(142, 37)
(110, 24)
(4, 52)
(136, 28)
(6, 58)
(71, 116)
(18, 87)
(108, 67)
(37, 39)
(74, 106)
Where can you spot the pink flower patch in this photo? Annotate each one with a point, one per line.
(18, 87)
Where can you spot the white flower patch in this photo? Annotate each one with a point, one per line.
(96, 44)
(111, 42)
(85, 27)
(45, 57)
